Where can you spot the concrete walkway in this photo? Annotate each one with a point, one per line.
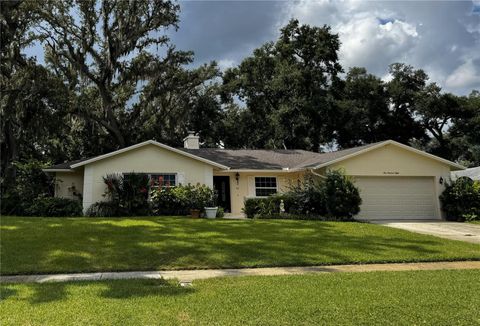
(467, 232)
(186, 276)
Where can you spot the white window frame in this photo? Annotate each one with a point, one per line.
(164, 173)
(255, 185)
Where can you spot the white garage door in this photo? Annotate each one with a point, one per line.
(386, 198)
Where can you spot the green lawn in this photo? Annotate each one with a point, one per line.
(380, 298)
(50, 245)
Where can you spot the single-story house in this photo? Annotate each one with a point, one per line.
(396, 181)
(472, 173)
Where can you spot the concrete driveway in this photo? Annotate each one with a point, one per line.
(467, 232)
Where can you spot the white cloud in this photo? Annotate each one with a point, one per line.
(467, 75)
(224, 64)
(436, 37)
(367, 43)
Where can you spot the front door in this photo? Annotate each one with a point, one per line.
(221, 184)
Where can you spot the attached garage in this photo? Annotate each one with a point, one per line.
(396, 182)
(397, 198)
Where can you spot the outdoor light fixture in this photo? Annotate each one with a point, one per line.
(440, 180)
(237, 176)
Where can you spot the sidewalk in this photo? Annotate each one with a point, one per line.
(186, 276)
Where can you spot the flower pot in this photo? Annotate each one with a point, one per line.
(211, 212)
(195, 213)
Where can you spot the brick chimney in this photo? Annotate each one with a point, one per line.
(192, 141)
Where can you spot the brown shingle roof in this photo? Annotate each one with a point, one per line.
(65, 165)
(274, 159)
(258, 159)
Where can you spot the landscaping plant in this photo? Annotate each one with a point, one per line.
(55, 207)
(334, 198)
(179, 200)
(127, 195)
(461, 200)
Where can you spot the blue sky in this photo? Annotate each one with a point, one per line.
(443, 38)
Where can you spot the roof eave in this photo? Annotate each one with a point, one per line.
(391, 142)
(58, 170)
(280, 170)
(150, 142)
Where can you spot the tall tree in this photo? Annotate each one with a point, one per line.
(465, 131)
(179, 100)
(289, 86)
(435, 111)
(114, 47)
(403, 91)
(32, 99)
(363, 110)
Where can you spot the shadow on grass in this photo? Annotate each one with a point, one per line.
(37, 293)
(49, 245)
(7, 292)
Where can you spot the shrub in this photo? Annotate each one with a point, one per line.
(104, 209)
(342, 199)
(307, 198)
(461, 200)
(263, 207)
(220, 212)
(52, 206)
(180, 199)
(128, 192)
(251, 207)
(170, 200)
(334, 198)
(30, 183)
(201, 196)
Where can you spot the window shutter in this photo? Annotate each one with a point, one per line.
(181, 178)
(251, 186)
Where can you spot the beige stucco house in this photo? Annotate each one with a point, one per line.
(396, 181)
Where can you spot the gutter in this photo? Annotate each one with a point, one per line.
(317, 174)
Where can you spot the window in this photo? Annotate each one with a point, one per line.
(265, 186)
(163, 179)
(157, 179)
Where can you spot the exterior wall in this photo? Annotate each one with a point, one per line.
(146, 159)
(68, 183)
(393, 161)
(246, 185)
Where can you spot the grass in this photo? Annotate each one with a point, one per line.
(52, 245)
(380, 298)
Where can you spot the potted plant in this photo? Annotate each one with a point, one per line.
(194, 200)
(210, 201)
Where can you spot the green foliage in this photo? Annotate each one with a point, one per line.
(31, 182)
(180, 199)
(289, 85)
(308, 197)
(334, 198)
(203, 196)
(170, 200)
(341, 196)
(461, 200)
(104, 208)
(55, 207)
(128, 193)
(251, 206)
(220, 212)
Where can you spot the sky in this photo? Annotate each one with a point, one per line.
(443, 38)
